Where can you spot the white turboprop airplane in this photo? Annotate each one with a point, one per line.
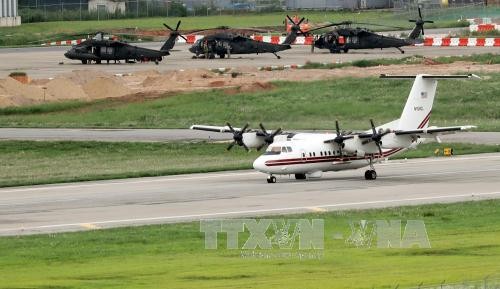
(308, 155)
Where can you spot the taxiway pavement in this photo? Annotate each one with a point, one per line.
(104, 204)
(43, 62)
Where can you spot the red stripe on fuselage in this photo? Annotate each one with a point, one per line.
(312, 160)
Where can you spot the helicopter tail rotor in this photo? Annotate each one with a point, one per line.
(419, 25)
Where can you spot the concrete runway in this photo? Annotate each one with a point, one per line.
(42, 62)
(160, 135)
(104, 204)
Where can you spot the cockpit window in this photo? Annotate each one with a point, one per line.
(273, 151)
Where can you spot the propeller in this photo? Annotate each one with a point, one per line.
(268, 137)
(175, 32)
(237, 137)
(340, 138)
(420, 21)
(376, 137)
(296, 26)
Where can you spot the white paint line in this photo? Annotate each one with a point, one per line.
(230, 213)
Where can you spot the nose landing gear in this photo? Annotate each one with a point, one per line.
(371, 174)
(271, 179)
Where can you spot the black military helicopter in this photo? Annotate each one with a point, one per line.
(99, 48)
(225, 44)
(345, 37)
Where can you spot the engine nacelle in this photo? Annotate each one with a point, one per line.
(393, 141)
(354, 146)
(252, 140)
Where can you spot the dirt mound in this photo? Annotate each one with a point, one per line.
(20, 93)
(81, 77)
(63, 88)
(102, 87)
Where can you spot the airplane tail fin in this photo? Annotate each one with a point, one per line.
(418, 108)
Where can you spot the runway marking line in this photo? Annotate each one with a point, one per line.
(214, 215)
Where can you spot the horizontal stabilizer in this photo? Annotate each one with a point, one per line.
(465, 76)
(435, 130)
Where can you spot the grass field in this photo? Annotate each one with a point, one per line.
(27, 162)
(463, 236)
(60, 30)
(291, 105)
(486, 58)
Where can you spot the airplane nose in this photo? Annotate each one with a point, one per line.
(259, 165)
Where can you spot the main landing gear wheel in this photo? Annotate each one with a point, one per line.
(370, 175)
(271, 179)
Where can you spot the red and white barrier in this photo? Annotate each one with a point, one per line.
(453, 42)
(64, 42)
(308, 40)
(484, 27)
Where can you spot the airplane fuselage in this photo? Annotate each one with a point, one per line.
(307, 153)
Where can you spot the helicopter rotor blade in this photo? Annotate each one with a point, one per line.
(168, 27)
(178, 24)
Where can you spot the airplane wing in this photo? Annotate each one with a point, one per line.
(212, 128)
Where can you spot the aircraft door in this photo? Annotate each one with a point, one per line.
(303, 155)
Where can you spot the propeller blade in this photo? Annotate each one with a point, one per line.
(374, 131)
(290, 19)
(231, 145)
(428, 21)
(263, 128)
(303, 18)
(337, 127)
(244, 128)
(245, 146)
(230, 127)
(423, 33)
(276, 132)
(413, 21)
(379, 148)
(181, 36)
(419, 13)
(168, 27)
(178, 24)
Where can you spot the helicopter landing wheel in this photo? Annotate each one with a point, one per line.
(84, 61)
(346, 50)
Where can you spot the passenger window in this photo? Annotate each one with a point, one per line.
(314, 154)
(283, 149)
(289, 149)
(321, 153)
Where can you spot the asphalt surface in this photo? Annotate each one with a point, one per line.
(43, 62)
(104, 204)
(160, 135)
